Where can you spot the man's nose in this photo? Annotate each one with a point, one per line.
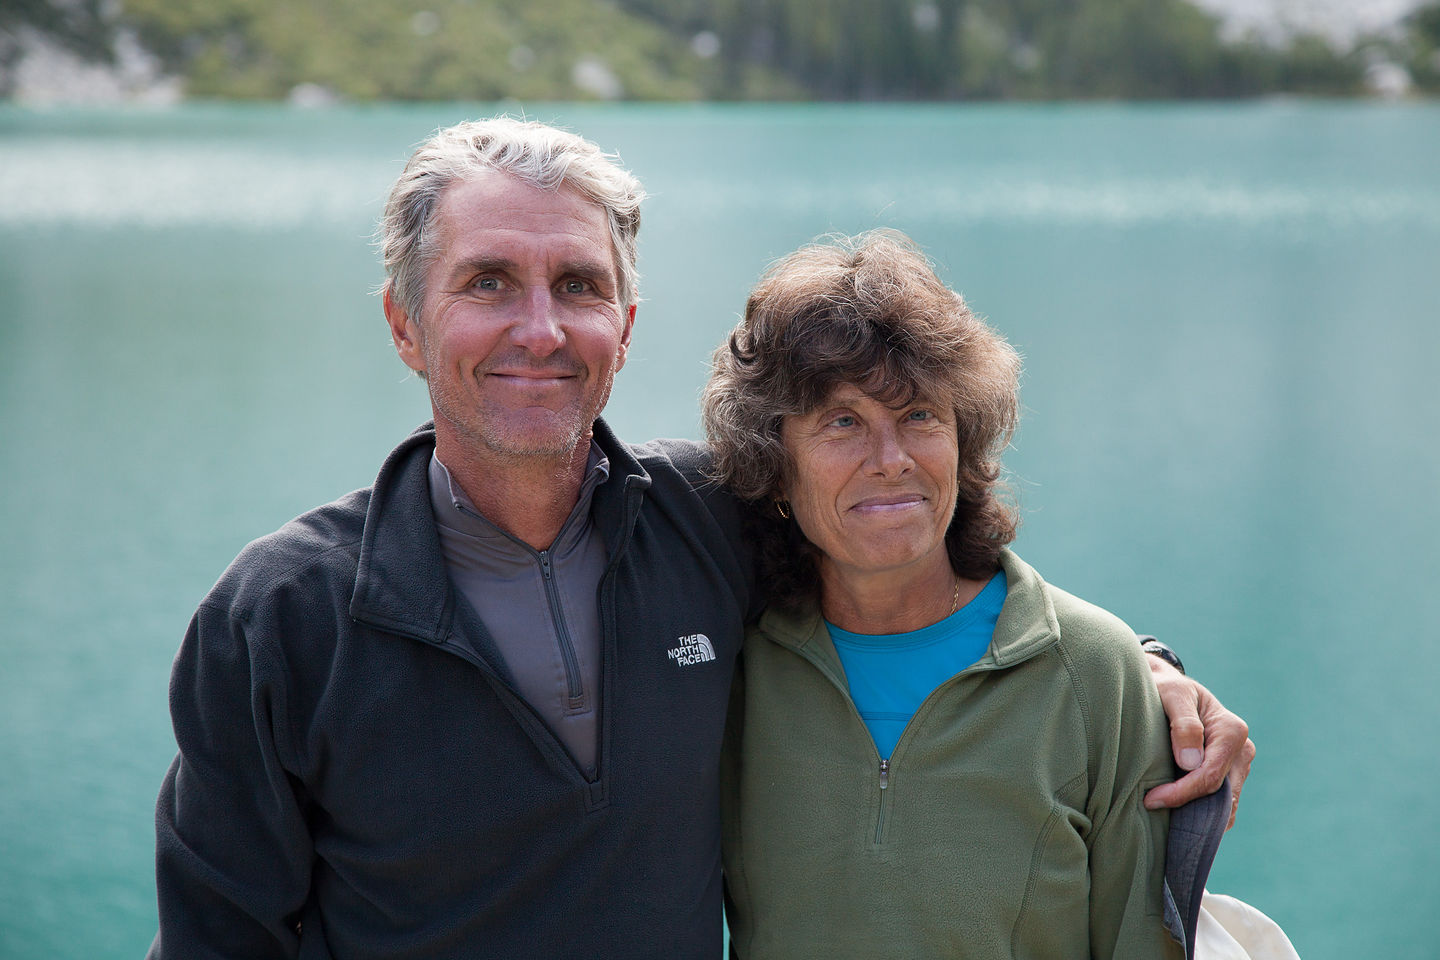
(537, 328)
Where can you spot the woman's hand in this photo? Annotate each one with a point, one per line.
(1209, 741)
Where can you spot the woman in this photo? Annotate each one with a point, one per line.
(939, 754)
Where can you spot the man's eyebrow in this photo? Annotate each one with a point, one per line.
(585, 268)
(481, 264)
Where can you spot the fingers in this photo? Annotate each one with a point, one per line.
(1225, 738)
(1182, 791)
(1187, 740)
(1202, 781)
(1209, 741)
(1238, 772)
(1179, 697)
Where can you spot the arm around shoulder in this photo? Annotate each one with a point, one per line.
(1208, 740)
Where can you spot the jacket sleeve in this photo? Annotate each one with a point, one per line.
(233, 852)
(1131, 753)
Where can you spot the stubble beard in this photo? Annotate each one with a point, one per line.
(505, 440)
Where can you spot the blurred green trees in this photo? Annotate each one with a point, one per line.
(1006, 49)
(1422, 47)
(718, 49)
(386, 49)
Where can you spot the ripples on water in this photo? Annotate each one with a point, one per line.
(64, 182)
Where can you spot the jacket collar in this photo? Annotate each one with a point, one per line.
(1027, 623)
(401, 584)
(617, 501)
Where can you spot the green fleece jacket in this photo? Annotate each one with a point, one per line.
(1007, 823)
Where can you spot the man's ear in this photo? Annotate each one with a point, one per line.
(624, 350)
(405, 332)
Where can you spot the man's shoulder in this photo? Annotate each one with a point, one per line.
(683, 483)
(323, 543)
(690, 458)
(320, 549)
(684, 468)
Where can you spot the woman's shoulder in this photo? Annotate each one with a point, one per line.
(1082, 619)
(1090, 635)
(1111, 679)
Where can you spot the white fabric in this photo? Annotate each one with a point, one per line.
(1231, 929)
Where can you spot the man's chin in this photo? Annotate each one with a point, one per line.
(529, 434)
(553, 440)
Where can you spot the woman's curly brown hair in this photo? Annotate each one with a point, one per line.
(866, 310)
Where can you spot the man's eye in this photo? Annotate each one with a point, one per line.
(488, 283)
(576, 286)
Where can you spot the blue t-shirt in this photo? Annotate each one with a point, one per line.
(891, 674)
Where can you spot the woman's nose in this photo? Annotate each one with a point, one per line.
(888, 456)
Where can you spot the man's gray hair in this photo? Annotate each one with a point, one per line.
(535, 153)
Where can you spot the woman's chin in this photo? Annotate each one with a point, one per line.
(874, 557)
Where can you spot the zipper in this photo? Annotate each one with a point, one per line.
(573, 688)
(884, 798)
(844, 691)
(884, 762)
(540, 732)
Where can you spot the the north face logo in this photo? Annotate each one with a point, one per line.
(695, 648)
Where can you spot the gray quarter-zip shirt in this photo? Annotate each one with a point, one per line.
(539, 606)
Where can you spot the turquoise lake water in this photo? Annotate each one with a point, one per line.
(1231, 432)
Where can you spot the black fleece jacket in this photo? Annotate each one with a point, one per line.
(354, 782)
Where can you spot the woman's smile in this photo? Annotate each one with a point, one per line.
(891, 503)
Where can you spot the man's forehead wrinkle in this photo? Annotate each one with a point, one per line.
(574, 206)
(570, 238)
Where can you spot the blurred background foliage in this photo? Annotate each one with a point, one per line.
(714, 49)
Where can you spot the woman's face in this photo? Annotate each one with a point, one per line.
(873, 487)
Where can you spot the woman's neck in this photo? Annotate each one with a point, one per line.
(893, 601)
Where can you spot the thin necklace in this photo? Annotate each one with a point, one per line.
(955, 604)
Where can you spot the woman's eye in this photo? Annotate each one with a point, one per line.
(921, 415)
(843, 421)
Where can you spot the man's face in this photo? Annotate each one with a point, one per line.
(522, 328)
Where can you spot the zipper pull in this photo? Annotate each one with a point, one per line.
(545, 564)
(884, 774)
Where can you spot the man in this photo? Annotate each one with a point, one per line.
(476, 709)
